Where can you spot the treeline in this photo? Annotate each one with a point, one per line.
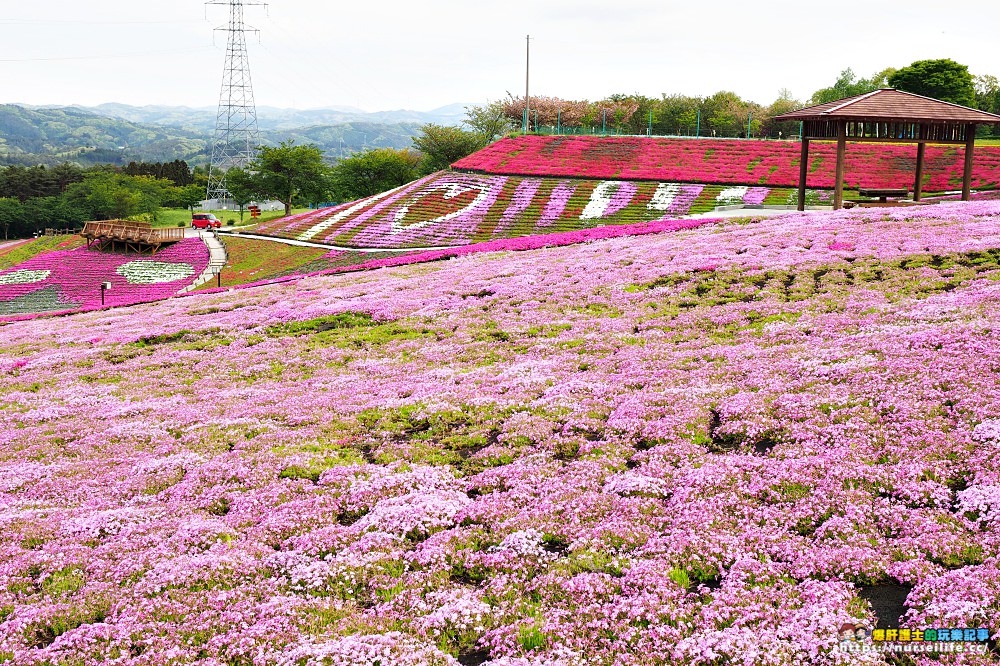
(724, 114)
(64, 196)
(178, 172)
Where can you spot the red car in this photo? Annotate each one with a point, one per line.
(205, 221)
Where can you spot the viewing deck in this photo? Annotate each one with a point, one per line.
(138, 236)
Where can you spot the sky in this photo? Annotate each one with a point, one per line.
(424, 54)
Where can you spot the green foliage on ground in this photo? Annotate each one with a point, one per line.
(251, 260)
(172, 217)
(15, 254)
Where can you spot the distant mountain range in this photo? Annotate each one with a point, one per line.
(118, 133)
(274, 119)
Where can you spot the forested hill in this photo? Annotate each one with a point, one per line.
(50, 136)
(32, 136)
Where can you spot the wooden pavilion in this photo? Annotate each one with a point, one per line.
(888, 116)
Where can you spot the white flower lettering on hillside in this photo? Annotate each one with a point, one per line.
(664, 196)
(600, 198)
(732, 195)
(452, 190)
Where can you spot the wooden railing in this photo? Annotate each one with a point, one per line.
(138, 236)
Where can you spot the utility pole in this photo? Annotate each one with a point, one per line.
(527, 78)
(236, 135)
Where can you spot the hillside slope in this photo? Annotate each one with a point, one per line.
(67, 278)
(682, 448)
(450, 208)
(43, 135)
(50, 136)
(735, 162)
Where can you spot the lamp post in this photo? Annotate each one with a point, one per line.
(104, 287)
(217, 271)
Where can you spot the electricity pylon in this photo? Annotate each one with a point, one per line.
(236, 135)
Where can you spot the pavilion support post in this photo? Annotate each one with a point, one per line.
(970, 146)
(838, 192)
(803, 172)
(918, 183)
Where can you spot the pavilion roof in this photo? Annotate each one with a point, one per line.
(887, 105)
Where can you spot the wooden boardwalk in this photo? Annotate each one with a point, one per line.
(138, 236)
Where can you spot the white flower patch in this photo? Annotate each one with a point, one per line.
(631, 483)
(416, 513)
(458, 611)
(982, 500)
(987, 431)
(144, 271)
(452, 190)
(24, 277)
(732, 195)
(523, 543)
(600, 199)
(664, 196)
(319, 228)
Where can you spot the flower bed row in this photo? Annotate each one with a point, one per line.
(770, 163)
(64, 281)
(702, 447)
(448, 209)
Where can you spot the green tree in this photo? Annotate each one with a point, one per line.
(288, 173)
(785, 103)
(241, 186)
(943, 79)
(727, 114)
(441, 145)
(639, 121)
(11, 215)
(372, 172)
(188, 196)
(489, 121)
(106, 195)
(676, 114)
(849, 85)
(987, 93)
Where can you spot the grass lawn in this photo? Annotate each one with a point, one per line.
(251, 260)
(16, 253)
(172, 217)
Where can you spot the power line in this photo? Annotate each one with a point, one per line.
(77, 22)
(137, 54)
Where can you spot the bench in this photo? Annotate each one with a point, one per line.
(883, 193)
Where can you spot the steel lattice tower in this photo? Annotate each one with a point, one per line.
(236, 134)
